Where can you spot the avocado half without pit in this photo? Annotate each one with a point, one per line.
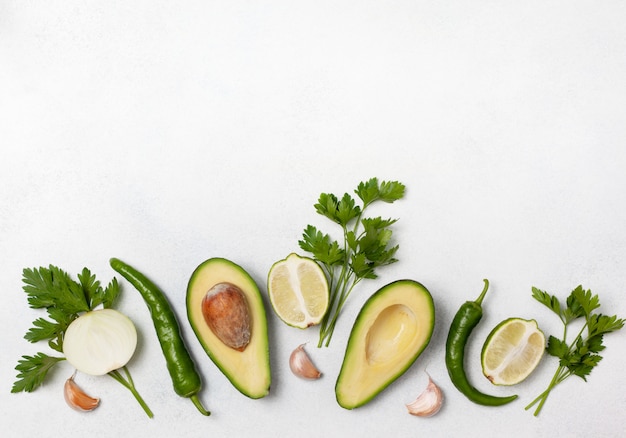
(227, 314)
(391, 330)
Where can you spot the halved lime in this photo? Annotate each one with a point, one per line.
(298, 291)
(512, 351)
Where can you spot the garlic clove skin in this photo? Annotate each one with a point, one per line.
(78, 399)
(301, 364)
(428, 402)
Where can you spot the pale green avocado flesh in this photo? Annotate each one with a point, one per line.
(392, 329)
(247, 370)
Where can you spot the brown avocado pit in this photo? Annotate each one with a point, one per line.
(227, 314)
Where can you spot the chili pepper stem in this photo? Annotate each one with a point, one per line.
(479, 300)
(198, 404)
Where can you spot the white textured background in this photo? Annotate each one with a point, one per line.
(165, 133)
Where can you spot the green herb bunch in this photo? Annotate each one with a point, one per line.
(364, 248)
(64, 299)
(581, 355)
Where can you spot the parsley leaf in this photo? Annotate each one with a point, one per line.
(323, 248)
(588, 302)
(378, 222)
(42, 330)
(110, 293)
(579, 357)
(391, 191)
(361, 267)
(600, 324)
(557, 348)
(347, 210)
(38, 286)
(594, 344)
(550, 301)
(368, 191)
(89, 285)
(47, 287)
(327, 205)
(387, 191)
(33, 371)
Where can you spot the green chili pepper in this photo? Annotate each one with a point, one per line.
(462, 325)
(182, 369)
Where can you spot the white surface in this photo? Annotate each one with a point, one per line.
(165, 133)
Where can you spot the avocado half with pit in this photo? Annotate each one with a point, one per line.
(391, 330)
(227, 314)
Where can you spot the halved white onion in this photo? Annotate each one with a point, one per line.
(100, 341)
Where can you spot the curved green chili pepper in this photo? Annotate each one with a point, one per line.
(182, 369)
(462, 325)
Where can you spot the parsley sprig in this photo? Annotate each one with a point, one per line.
(579, 356)
(64, 299)
(365, 246)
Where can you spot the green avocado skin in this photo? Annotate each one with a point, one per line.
(374, 306)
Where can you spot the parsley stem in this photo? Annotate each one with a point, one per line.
(578, 337)
(345, 292)
(331, 307)
(127, 381)
(342, 289)
(328, 322)
(560, 375)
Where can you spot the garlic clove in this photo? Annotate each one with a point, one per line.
(77, 399)
(301, 364)
(428, 402)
